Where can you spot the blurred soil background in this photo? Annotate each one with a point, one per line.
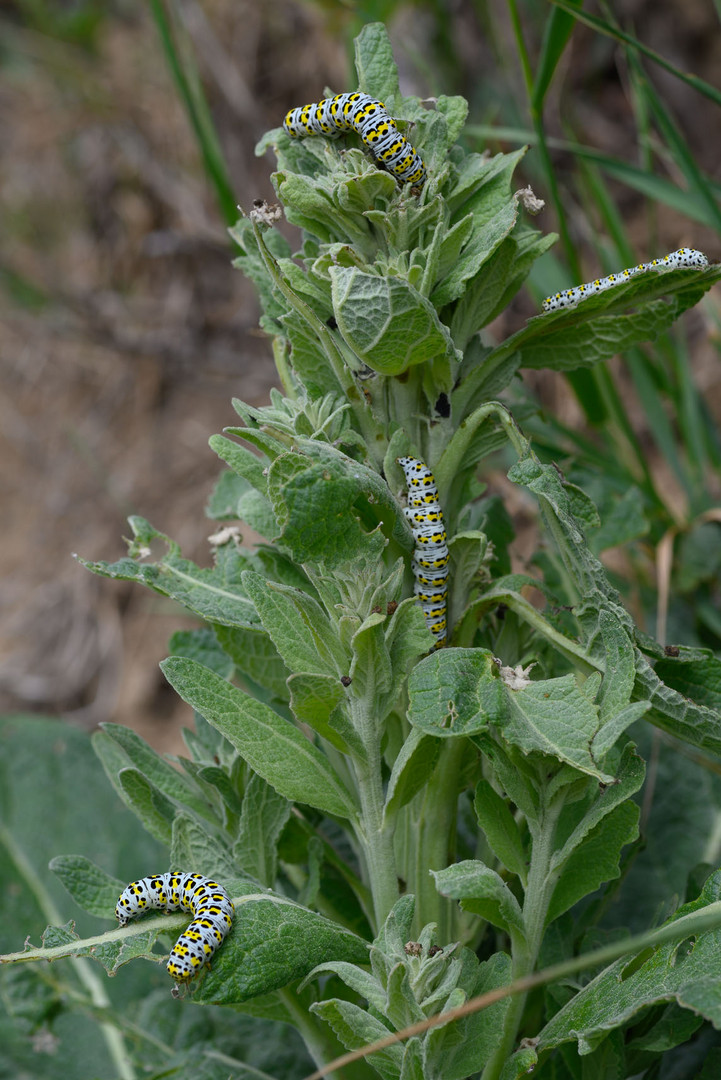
(124, 329)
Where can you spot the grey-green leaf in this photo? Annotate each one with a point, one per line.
(386, 322)
(500, 828)
(554, 717)
(91, 888)
(144, 799)
(376, 68)
(685, 971)
(355, 1028)
(483, 891)
(456, 692)
(411, 770)
(272, 746)
(298, 627)
(596, 860)
(274, 942)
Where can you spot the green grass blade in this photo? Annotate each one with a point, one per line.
(557, 31)
(696, 432)
(549, 173)
(603, 27)
(688, 203)
(187, 82)
(599, 199)
(680, 150)
(643, 374)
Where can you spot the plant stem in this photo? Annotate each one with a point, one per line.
(535, 910)
(318, 1039)
(433, 840)
(375, 838)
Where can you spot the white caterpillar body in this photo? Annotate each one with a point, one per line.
(209, 903)
(430, 558)
(369, 117)
(682, 257)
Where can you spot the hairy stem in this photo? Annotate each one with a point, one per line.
(525, 949)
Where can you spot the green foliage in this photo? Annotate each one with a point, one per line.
(384, 815)
(660, 164)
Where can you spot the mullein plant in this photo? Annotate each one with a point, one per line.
(403, 827)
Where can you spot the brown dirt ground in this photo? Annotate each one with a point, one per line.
(124, 331)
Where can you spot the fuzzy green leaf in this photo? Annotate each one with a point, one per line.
(462, 1048)
(484, 241)
(685, 972)
(600, 326)
(697, 679)
(319, 504)
(596, 859)
(241, 461)
(297, 626)
(411, 771)
(482, 891)
(91, 888)
(554, 717)
(603, 801)
(456, 692)
(501, 829)
(272, 746)
(159, 772)
(253, 654)
(376, 68)
(371, 665)
(143, 798)
(677, 713)
(386, 322)
(355, 1028)
(262, 820)
(214, 594)
(314, 700)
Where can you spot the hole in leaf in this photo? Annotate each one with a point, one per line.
(683, 951)
(638, 961)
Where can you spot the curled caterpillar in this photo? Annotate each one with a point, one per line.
(682, 257)
(209, 903)
(430, 558)
(364, 114)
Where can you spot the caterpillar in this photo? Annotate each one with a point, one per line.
(430, 558)
(683, 257)
(367, 116)
(210, 904)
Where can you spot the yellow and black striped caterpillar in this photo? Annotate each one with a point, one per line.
(369, 117)
(682, 257)
(430, 558)
(211, 907)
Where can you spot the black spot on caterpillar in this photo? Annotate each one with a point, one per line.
(364, 114)
(430, 558)
(209, 903)
(682, 257)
